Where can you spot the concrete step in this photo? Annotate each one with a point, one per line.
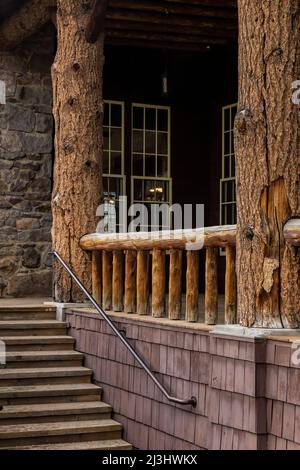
(45, 375)
(59, 393)
(38, 343)
(32, 328)
(116, 444)
(27, 313)
(28, 359)
(50, 412)
(46, 433)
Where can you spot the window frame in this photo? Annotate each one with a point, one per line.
(230, 156)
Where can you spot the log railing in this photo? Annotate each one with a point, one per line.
(143, 273)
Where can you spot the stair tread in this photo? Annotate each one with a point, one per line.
(44, 390)
(89, 445)
(41, 355)
(30, 308)
(45, 409)
(68, 427)
(36, 339)
(31, 323)
(40, 372)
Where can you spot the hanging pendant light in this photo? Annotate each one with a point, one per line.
(165, 79)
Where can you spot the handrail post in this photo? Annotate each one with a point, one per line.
(118, 282)
(192, 286)
(143, 258)
(175, 284)
(158, 283)
(130, 282)
(211, 286)
(107, 279)
(230, 287)
(96, 276)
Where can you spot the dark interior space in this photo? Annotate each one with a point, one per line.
(200, 84)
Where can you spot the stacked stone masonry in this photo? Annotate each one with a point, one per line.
(247, 389)
(26, 148)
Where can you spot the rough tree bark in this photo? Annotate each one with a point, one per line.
(267, 158)
(78, 110)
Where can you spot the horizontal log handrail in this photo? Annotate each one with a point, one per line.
(148, 272)
(213, 237)
(291, 232)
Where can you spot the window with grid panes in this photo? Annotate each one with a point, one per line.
(150, 179)
(113, 155)
(228, 181)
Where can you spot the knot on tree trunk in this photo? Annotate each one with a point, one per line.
(242, 120)
(249, 232)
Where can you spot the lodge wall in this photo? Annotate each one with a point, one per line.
(26, 147)
(247, 388)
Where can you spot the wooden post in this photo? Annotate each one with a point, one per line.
(118, 282)
(96, 276)
(230, 287)
(175, 284)
(77, 109)
(267, 160)
(158, 283)
(211, 286)
(192, 286)
(107, 279)
(130, 282)
(142, 282)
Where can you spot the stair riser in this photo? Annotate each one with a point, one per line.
(40, 347)
(84, 437)
(27, 316)
(51, 399)
(57, 418)
(33, 364)
(33, 332)
(45, 380)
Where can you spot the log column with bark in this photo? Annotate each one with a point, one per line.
(78, 110)
(267, 157)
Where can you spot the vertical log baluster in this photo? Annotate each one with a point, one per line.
(96, 276)
(192, 286)
(175, 284)
(143, 262)
(130, 282)
(211, 286)
(230, 287)
(158, 283)
(118, 281)
(107, 279)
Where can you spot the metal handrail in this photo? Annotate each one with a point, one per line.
(189, 401)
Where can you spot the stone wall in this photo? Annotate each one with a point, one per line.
(247, 388)
(26, 147)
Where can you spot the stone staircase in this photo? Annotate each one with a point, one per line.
(48, 399)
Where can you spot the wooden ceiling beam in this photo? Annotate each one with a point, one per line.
(212, 24)
(96, 23)
(155, 45)
(211, 3)
(26, 21)
(161, 37)
(158, 28)
(173, 8)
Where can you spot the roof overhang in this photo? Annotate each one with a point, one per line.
(165, 24)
